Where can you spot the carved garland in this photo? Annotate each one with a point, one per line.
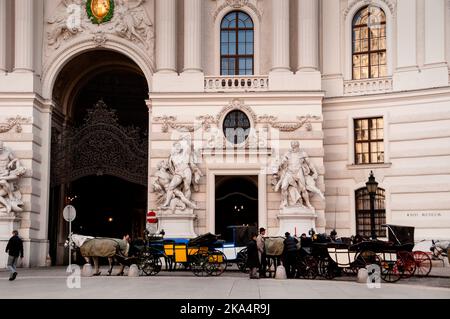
(11, 122)
(289, 127)
(205, 121)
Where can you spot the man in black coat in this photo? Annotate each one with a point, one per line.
(14, 248)
(290, 254)
(253, 257)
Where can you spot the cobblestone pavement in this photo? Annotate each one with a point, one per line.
(52, 283)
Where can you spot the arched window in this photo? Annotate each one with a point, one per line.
(369, 43)
(363, 213)
(236, 44)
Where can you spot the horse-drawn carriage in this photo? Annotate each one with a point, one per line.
(200, 255)
(394, 257)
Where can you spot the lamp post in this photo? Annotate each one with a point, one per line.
(372, 186)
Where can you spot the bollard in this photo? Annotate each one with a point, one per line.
(362, 276)
(133, 271)
(280, 272)
(87, 270)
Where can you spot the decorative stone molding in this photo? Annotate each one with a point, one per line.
(289, 127)
(237, 4)
(14, 122)
(236, 104)
(361, 3)
(205, 122)
(130, 22)
(99, 38)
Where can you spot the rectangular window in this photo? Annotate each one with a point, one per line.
(369, 147)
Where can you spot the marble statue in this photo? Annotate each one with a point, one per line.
(10, 172)
(176, 176)
(296, 176)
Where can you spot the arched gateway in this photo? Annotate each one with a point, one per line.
(99, 150)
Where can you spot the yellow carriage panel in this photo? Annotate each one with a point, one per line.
(180, 253)
(168, 249)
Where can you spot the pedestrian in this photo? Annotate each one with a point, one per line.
(261, 252)
(252, 257)
(290, 254)
(14, 248)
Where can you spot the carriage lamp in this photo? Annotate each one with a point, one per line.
(110, 219)
(372, 186)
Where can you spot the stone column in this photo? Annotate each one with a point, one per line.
(24, 39)
(192, 35)
(406, 34)
(308, 33)
(280, 35)
(2, 35)
(435, 32)
(149, 169)
(165, 36)
(332, 80)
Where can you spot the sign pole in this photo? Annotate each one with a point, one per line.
(70, 244)
(69, 214)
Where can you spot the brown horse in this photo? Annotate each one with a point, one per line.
(91, 247)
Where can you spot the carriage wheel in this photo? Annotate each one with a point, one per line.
(390, 271)
(241, 260)
(199, 263)
(406, 264)
(217, 263)
(423, 263)
(327, 268)
(307, 268)
(149, 265)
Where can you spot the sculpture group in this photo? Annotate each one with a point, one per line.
(10, 172)
(296, 176)
(176, 176)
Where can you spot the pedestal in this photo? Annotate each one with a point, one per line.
(177, 225)
(298, 219)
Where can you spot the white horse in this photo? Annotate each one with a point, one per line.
(91, 247)
(440, 248)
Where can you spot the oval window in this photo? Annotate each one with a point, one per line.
(236, 127)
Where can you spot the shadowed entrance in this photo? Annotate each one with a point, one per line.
(236, 202)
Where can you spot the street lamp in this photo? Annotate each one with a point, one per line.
(372, 186)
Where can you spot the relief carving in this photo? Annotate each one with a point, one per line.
(130, 21)
(14, 122)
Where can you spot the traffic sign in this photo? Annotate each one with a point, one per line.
(69, 213)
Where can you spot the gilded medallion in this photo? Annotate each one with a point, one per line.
(100, 11)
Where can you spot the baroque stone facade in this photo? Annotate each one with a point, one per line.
(301, 87)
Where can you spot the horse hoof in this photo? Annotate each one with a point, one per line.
(120, 274)
(97, 274)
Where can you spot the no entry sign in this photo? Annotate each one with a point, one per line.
(152, 221)
(151, 218)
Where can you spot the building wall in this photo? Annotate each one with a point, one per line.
(413, 99)
(415, 174)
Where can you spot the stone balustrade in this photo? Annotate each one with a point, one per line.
(236, 83)
(368, 86)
